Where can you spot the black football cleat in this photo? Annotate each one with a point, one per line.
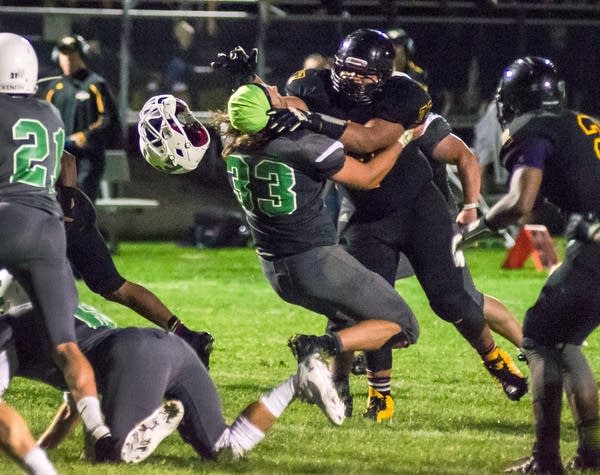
(585, 460)
(303, 346)
(202, 344)
(359, 364)
(532, 465)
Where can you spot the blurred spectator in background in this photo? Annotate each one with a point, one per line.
(88, 110)
(317, 61)
(404, 46)
(179, 69)
(487, 142)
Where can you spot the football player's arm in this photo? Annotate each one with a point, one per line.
(374, 135)
(368, 175)
(405, 105)
(68, 170)
(63, 422)
(452, 150)
(67, 182)
(517, 204)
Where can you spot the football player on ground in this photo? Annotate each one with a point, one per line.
(552, 152)
(133, 391)
(32, 138)
(278, 179)
(90, 257)
(406, 214)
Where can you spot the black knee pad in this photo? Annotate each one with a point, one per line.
(457, 307)
(399, 340)
(461, 310)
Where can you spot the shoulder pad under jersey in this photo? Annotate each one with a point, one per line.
(310, 85)
(403, 101)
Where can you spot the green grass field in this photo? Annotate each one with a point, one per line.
(450, 415)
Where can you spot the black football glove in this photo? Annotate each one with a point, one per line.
(290, 119)
(238, 63)
(582, 229)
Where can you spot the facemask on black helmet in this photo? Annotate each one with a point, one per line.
(363, 62)
(529, 83)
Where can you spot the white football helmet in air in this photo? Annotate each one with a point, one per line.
(171, 139)
(18, 65)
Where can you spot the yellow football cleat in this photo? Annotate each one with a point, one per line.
(380, 408)
(501, 366)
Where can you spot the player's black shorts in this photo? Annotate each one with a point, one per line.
(568, 307)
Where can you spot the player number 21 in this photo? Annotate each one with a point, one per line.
(30, 159)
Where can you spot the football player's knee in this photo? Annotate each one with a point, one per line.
(401, 339)
(456, 307)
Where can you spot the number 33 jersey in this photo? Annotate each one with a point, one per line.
(32, 139)
(280, 187)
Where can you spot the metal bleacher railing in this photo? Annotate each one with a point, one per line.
(264, 16)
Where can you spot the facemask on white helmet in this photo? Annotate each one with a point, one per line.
(18, 65)
(171, 139)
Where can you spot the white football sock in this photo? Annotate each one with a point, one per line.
(280, 397)
(38, 463)
(91, 415)
(244, 436)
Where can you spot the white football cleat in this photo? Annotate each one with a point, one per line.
(147, 434)
(315, 385)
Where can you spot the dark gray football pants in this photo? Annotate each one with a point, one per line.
(33, 250)
(136, 368)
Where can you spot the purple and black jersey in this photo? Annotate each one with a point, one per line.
(280, 186)
(566, 146)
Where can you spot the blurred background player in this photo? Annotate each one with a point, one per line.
(404, 46)
(31, 231)
(552, 152)
(88, 110)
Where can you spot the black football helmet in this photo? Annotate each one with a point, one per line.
(527, 84)
(400, 38)
(365, 52)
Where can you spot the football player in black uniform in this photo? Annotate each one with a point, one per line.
(407, 209)
(278, 180)
(552, 152)
(90, 257)
(32, 137)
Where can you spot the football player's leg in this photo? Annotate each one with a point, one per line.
(582, 393)
(90, 257)
(448, 285)
(546, 392)
(16, 440)
(340, 285)
(501, 320)
(134, 389)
